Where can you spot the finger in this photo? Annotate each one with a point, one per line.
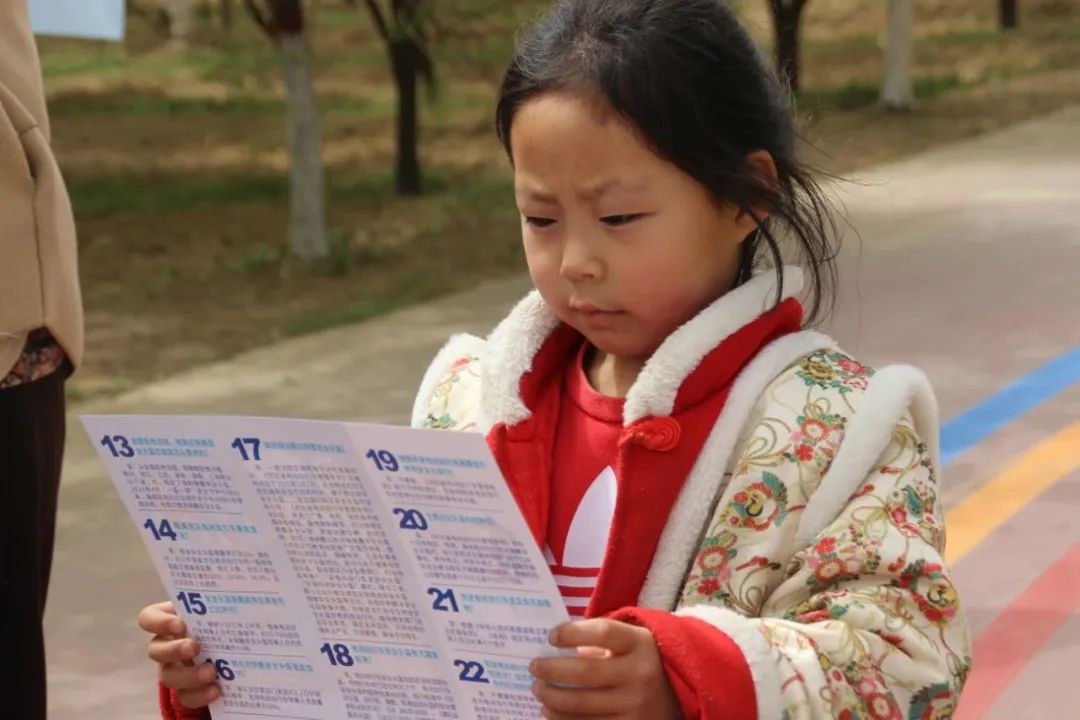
(161, 619)
(586, 672)
(199, 698)
(593, 652)
(167, 650)
(187, 677)
(618, 637)
(573, 702)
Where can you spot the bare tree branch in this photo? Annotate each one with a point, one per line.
(259, 16)
(379, 19)
(410, 26)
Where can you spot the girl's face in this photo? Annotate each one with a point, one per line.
(622, 245)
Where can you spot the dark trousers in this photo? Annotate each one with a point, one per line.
(31, 450)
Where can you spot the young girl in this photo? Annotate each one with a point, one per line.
(745, 518)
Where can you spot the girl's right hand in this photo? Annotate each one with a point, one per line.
(174, 651)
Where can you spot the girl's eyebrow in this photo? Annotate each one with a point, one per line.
(599, 189)
(595, 191)
(530, 192)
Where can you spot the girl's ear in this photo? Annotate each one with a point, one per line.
(762, 166)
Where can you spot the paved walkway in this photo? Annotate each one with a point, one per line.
(967, 266)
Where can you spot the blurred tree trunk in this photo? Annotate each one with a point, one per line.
(179, 13)
(308, 212)
(897, 87)
(283, 22)
(787, 21)
(402, 29)
(227, 15)
(1010, 14)
(403, 61)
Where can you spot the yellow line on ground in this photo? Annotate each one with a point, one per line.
(970, 522)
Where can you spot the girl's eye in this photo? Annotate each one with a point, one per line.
(618, 220)
(539, 222)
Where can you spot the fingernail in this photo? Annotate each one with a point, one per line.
(206, 672)
(553, 636)
(191, 649)
(177, 627)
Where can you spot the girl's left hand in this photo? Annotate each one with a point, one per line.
(617, 673)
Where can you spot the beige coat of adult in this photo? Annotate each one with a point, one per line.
(39, 281)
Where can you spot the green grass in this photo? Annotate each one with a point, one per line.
(137, 103)
(110, 62)
(103, 196)
(843, 46)
(1066, 28)
(928, 88)
(256, 260)
(241, 64)
(109, 195)
(473, 35)
(860, 94)
(340, 18)
(58, 62)
(411, 289)
(965, 37)
(156, 103)
(848, 96)
(371, 53)
(149, 111)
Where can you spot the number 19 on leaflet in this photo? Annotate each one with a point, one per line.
(384, 460)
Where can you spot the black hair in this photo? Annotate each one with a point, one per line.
(691, 80)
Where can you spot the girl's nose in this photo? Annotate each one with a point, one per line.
(579, 262)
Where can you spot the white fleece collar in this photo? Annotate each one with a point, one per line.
(514, 344)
